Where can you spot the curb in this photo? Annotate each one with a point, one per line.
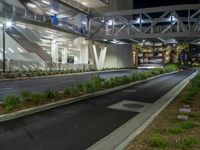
(26, 112)
(62, 75)
(121, 137)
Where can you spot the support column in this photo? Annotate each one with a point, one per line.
(102, 57)
(99, 61)
(84, 54)
(64, 55)
(54, 51)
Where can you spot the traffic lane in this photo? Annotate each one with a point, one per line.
(79, 125)
(73, 128)
(52, 83)
(146, 92)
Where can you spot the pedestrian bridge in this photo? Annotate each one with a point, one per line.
(168, 24)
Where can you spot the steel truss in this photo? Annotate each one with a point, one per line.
(181, 22)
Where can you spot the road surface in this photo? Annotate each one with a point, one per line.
(51, 83)
(78, 126)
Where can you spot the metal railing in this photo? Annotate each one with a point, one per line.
(13, 12)
(13, 65)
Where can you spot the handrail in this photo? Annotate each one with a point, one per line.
(11, 11)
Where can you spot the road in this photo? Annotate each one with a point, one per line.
(52, 83)
(78, 126)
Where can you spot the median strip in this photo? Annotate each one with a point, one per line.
(95, 87)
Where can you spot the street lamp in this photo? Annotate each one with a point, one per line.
(4, 26)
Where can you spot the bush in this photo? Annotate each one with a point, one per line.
(25, 96)
(37, 98)
(50, 94)
(170, 67)
(10, 102)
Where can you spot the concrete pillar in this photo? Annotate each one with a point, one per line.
(102, 57)
(99, 61)
(84, 54)
(64, 55)
(135, 58)
(54, 51)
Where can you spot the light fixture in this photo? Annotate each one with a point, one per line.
(11, 50)
(84, 3)
(9, 24)
(84, 22)
(20, 49)
(31, 5)
(45, 2)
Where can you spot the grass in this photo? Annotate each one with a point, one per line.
(167, 132)
(158, 141)
(187, 144)
(188, 125)
(175, 130)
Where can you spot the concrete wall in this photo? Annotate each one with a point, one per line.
(118, 56)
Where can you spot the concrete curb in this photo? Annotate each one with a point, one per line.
(62, 75)
(52, 105)
(121, 137)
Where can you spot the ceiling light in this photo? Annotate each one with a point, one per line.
(84, 3)
(45, 40)
(84, 22)
(11, 50)
(20, 49)
(31, 5)
(45, 2)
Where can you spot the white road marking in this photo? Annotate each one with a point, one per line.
(128, 105)
(5, 89)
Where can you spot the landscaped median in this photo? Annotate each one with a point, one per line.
(28, 102)
(177, 127)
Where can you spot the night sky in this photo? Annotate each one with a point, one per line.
(154, 3)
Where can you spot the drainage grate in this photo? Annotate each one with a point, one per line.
(127, 105)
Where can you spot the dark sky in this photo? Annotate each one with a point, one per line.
(154, 3)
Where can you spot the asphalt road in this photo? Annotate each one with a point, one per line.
(78, 126)
(52, 83)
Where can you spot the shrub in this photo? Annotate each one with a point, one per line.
(25, 96)
(170, 67)
(10, 102)
(158, 141)
(50, 94)
(36, 97)
(134, 76)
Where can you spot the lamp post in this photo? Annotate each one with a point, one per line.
(5, 25)
(4, 50)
